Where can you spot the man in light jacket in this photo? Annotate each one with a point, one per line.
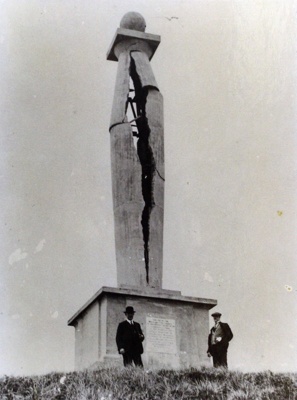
(218, 341)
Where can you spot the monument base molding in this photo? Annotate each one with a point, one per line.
(175, 327)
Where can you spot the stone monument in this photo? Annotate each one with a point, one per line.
(175, 326)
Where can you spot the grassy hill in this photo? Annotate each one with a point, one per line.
(137, 384)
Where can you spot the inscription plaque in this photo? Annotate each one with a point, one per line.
(160, 335)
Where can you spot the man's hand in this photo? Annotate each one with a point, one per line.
(122, 351)
(208, 354)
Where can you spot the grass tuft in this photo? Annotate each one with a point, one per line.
(138, 384)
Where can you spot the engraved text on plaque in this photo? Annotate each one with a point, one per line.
(161, 335)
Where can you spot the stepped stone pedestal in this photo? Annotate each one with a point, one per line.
(175, 328)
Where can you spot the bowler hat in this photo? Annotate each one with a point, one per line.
(129, 310)
(216, 314)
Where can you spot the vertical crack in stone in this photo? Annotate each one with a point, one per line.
(146, 158)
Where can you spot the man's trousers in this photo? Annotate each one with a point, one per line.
(131, 357)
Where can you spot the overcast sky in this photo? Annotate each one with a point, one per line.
(227, 71)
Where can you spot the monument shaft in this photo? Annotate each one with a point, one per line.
(137, 158)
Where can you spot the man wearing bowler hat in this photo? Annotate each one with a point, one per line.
(218, 341)
(129, 339)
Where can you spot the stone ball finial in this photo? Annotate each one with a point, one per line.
(133, 20)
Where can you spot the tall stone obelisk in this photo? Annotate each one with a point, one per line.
(137, 154)
(175, 326)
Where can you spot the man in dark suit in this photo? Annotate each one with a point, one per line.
(218, 341)
(129, 339)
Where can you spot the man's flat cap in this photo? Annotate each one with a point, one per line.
(129, 310)
(216, 314)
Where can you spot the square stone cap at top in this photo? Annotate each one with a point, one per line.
(121, 34)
